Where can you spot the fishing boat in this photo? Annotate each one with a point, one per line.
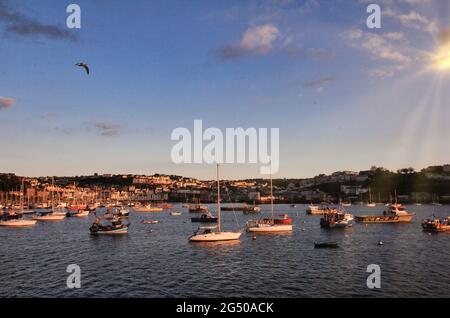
(205, 218)
(326, 245)
(148, 208)
(337, 220)
(436, 225)
(251, 209)
(115, 228)
(48, 217)
(207, 234)
(395, 214)
(270, 225)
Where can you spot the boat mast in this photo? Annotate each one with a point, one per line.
(271, 191)
(218, 197)
(22, 189)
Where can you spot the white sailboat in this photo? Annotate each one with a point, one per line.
(207, 234)
(15, 219)
(268, 225)
(52, 215)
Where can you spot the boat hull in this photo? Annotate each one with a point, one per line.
(204, 220)
(18, 223)
(145, 210)
(111, 232)
(216, 237)
(384, 218)
(49, 218)
(269, 228)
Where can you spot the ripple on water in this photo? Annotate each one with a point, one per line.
(158, 261)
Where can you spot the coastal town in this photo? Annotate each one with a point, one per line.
(429, 186)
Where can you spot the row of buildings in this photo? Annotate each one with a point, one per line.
(344, 186)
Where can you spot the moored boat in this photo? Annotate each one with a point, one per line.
(436, 225)
(79, 214)
(283, 219)
(150, 222)
(270, 225)
(395, 214)
(206, 234)
(205, 218)
(319, 210)
(174, 213)
(326, 245)
(115, 228)
(48, 217)
(148, 208)
(336, 220)
(18, 223)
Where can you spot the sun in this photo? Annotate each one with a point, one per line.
(440, 61)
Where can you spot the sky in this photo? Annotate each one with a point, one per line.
(345, 97)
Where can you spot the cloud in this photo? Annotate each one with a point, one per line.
(319, 84)
(321, 54)
(107, 129)
(6, 102)
(257, 40)
(444, 36)
(353, 34)
(413, 20)
(22, 25)
(381, 50)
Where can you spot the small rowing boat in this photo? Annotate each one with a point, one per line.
(326, 245)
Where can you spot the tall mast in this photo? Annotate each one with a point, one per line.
(22, 189)
(218, 196)
(271, 190)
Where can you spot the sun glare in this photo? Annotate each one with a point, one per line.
(441, 59)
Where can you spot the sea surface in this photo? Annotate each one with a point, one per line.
(158, 261)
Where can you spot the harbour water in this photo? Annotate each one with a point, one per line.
(158, 261)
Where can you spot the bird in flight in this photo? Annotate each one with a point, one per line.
(83, 65)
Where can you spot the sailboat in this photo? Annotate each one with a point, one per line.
(52, 215)
(436, 200)
(371, 204)
(15, 219)
(207, 234)
(271, 225)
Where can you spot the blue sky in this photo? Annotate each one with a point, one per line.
(344, 97)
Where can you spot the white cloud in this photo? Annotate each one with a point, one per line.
(257, 40)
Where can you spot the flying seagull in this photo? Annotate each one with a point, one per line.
(83, 65)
